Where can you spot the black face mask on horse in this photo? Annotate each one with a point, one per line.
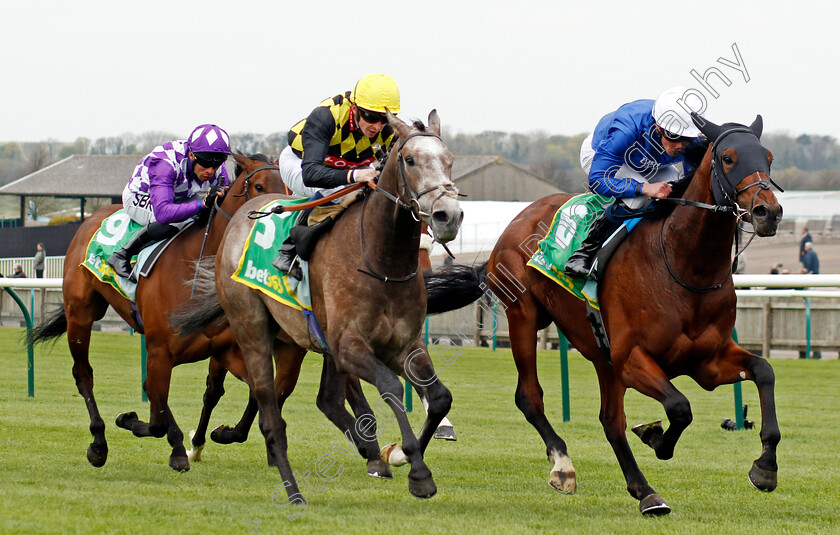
(751, 158)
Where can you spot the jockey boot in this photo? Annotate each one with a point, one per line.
(307, 236)
(285, 260)
(580, 263)
(300, 243)
(120, 260)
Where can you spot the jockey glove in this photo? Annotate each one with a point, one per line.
(211, 196)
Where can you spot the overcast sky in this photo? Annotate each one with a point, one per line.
(93, 68)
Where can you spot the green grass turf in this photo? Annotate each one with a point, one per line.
(493, 479)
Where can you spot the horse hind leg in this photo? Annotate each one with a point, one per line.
(80, 320)
(529, 399)
(335, 388)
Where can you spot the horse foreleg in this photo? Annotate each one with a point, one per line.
(420, 372)
(356, 358)
(214, 391)
(614, 423)
(232, 361)
(361, 431)
(738, 364)
(649, 379)
(529, 397)
(161, 421)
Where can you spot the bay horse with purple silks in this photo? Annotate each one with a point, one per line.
(367, 298)
(86, 300)
(667, 300)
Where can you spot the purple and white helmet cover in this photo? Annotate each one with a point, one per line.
(209, 138)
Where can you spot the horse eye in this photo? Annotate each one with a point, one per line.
(726, 159)
(259, 188)
(409, 160)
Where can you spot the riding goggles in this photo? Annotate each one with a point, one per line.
(373, 117)
(210, 159)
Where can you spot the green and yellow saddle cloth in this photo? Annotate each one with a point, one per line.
(567, 232)
(115, 231)
(256, 270)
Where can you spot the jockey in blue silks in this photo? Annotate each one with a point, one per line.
(632, 155)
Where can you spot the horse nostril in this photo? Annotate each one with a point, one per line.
(440, 216)
(759, 212)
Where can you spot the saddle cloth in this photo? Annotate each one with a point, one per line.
(259, 250)
(114, 232)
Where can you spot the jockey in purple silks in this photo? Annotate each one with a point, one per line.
(170, 186)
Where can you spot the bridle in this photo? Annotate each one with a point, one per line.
(724, 193)
(412, 204)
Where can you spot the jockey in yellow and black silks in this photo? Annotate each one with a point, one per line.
(333, 147)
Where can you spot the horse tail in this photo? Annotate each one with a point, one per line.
(204, 309)
(49, 330)
(454, 286)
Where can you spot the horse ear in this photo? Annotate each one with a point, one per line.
(434, 122)
(709, 129)
(399, 126)
(757, 126)
(241, 160)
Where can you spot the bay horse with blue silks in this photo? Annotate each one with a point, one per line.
(367, 298)
(667, 300)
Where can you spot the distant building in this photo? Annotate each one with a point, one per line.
(492, 178)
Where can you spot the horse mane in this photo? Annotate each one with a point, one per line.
(418, 124)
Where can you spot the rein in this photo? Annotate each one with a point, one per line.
(413, 206)
(729, 205)
(279, 209)
(217, 208)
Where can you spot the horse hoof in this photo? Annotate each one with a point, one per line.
(225, 435)
(380, 469)
(649, 432)
(653, 504)
(179, 464)
(424, 488)
(125, 419)
(194, 455)
(763, 480)
(393, 454)
(445, 432)
(564, 482)
(97, 456)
